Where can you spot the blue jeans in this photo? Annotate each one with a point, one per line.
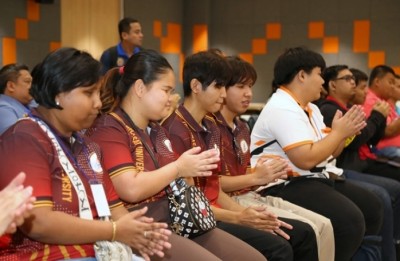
(388, 190)
(389, 152)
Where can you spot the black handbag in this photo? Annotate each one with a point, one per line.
(190, 211)
(189, 208)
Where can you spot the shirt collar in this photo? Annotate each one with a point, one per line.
(307, 108)
(186, 116)
(341, 105)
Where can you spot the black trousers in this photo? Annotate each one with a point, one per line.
(343, 203)
(302, 245)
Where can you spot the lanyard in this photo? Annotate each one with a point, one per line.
(174, 183)
(84, 207)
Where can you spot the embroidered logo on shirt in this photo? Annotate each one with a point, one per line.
(244, 146)
(120, 61)
(95, 163)
(167, 144)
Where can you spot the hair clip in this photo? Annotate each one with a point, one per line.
(121, 70)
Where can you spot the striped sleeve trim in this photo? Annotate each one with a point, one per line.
(115, 204)
(43, 203)
(118, 170)
(297, 144)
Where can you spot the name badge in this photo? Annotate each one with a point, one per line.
(100, 200)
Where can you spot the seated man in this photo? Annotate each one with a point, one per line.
(291, 127)
(386, 149)
(239, 180)
(15, 100)
(381, 88)
(341, 86)
(205, 75)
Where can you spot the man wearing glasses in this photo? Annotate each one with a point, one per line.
(341, 87)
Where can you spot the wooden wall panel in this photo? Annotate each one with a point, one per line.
(90, 25)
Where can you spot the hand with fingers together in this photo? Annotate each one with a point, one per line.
(194, 163)
(349, 124)
(16, 201)
(256, 217)
(142, 233)
(268, 170)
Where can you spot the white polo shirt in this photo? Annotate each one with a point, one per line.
(283, 125)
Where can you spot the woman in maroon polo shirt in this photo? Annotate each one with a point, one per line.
(64, 170)
(138, 96)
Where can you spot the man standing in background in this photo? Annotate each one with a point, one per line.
(131, 36)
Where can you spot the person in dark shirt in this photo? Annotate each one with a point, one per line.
(74, 194)
(131, 38)
(341, 87)
(205, 75)
(141, 161)
(239, 179)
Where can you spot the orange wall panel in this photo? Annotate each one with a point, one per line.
(9, 50)
(33, 11)
(173, 41)
(259, 46)
(361, 36)
(21, 29)
(273, 31)
(200, 38)
(376, 58)
(316, 30)
(248, 57)
(330, 45)
(54, 46)
(157, 29)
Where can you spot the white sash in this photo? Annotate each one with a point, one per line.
(84, 207)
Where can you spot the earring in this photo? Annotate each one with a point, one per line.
(57, 103)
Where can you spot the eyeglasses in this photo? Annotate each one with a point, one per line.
(347, 78)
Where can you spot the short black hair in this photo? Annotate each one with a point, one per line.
(62, 71)
(10, 72)
(379, 72)
(207, 67)
(124, 26)
(331, 73)
(359, 75)
(292, 61)
(241, 71)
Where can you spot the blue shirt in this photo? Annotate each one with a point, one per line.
(117, 59)
(11, 110)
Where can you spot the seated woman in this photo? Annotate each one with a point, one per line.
(134, 145)
(15, 99)
(71, 187)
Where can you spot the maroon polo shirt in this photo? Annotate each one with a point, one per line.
(124, 151)
(26, 147)
(235, 148)
(185, 133)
